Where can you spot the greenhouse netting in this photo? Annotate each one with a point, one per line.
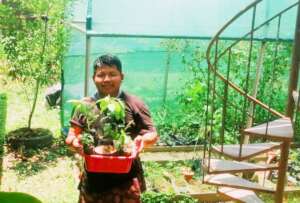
(154, 40)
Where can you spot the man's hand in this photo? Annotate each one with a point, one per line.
(146, 140)
(139, 143)
(73, 142)
(70, 137)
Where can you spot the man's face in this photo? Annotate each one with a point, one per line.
(108, 80)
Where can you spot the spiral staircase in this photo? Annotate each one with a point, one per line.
(256, 128)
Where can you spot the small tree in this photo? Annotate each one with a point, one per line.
(34, 39)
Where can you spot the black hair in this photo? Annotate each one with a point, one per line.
(107, 59)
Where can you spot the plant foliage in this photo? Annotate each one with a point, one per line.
(186, 124)
(104, 119)
(34, 40)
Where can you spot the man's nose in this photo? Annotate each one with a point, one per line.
(107, 78)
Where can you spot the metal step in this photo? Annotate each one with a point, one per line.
(248, 150)
(277, 130)
(232, 181)
(225, 166)
(240, 195)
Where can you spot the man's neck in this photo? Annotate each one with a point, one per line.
(98, 95)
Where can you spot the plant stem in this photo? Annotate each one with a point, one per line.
(38, 79)
(36, 91)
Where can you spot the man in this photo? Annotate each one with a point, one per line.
(107, 187)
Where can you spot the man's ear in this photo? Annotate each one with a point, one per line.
(122, 76)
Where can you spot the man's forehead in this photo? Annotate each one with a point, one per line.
(105, 68)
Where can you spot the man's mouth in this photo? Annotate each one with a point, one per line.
(106, 86)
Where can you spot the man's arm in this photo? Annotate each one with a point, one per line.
(148, 134)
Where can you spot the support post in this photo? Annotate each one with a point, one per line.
(165, 89)
(259, 65)
(87, 55)
(87, 65)
(284, 154)
(294, 72)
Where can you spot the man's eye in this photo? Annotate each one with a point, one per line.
(101, 76)
(112, 75)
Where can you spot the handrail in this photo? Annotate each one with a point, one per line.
(216, 37)
(258, 27)
(226, 25)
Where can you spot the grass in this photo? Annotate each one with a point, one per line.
(53, 183)
(47, 174)
(18, 109)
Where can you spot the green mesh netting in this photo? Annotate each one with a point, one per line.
(145, 59)
(199, 18)
(144, 65)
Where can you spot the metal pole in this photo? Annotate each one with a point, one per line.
(87, 65)
(245, 107)
(259, 65)
(87, 55)
(294, 72)
(88, 27)
(166, 78)
(284, 155)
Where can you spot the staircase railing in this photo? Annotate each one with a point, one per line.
(214, 42)
(247, 108)
(214, 56)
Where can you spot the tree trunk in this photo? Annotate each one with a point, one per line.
(36, 93)
(38, 80)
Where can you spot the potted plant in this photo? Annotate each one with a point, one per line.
(101, 124)
(112, 112)
(84, 116)
(106, 146)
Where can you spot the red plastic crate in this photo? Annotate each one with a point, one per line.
(111, 164)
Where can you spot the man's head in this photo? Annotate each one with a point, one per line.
(108, 75)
